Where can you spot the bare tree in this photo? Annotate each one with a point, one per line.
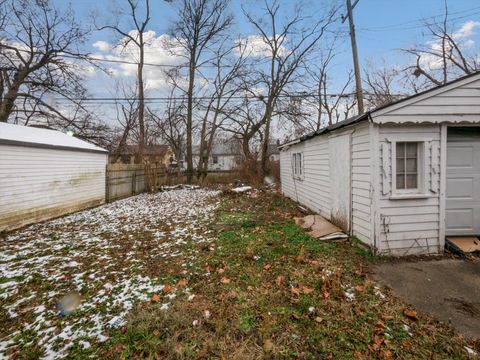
(136, 37)
(223, 87)
(201, 23)
(444, 57)
(36, 41)
(287, 44)
(170, 125)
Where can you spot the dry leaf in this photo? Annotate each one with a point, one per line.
(168, 288)
(182, 283)
(295, 291)
(220, 271)
(155, 298)
(412, 314)
(295, 317)
(225, 280)
(360, 288)
(268, 346)
(280, 280)
(301, 255)
(318, 319)
(266, 267)
(307, 290)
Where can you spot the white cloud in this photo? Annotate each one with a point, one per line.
(160, 49)
(256, 46)
(466, 30)
(102, 45)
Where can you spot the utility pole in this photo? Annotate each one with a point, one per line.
(356, 66)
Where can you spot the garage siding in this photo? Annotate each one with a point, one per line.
(40, 183)
(409, 226)
(313, 191)
(361, 183)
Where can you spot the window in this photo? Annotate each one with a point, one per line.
(297, 165)
(407, 165)
(215, 159)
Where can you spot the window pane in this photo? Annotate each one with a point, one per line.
(412, 166)
(400, 150)
(400, 166)
(411, 149)
(400, 182)
(411, 181)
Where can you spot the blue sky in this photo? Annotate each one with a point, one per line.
(383, 28)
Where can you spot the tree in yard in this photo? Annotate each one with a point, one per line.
(446, 55)
(36, 40)
(221, 89)
(284, 45)
(200, 24)
(140, 22)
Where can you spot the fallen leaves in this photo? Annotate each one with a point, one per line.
(155, 298)
(412, 314)
(280, 281)
(182, 283)
(225, 280)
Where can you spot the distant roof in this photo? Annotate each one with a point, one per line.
(147, 149)
(20, 135)
(355, 119)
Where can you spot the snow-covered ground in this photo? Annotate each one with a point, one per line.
(110, 258)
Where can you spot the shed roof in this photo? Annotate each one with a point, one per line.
(383, 109)
(19, 135)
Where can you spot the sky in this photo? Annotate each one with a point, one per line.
(384, 27)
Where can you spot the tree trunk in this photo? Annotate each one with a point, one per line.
(191, 80)
(141, 100)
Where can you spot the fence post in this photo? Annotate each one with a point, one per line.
(134, 181)
(107, 190)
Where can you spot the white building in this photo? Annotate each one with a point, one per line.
(223, 157)
(401, 177)
(46, 173)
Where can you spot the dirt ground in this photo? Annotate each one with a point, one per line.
(447, 289)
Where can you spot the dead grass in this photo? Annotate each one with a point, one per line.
(268, 290)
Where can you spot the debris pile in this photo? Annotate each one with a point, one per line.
(321, 228)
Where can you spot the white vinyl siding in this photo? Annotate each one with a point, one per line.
(40, 183)
(361, 183)
(409, 225)
(314, 190)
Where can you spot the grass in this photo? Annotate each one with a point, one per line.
(272, 291)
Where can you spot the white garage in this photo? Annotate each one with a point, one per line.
(400, 178)
(45, 174)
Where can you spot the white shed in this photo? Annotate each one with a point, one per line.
(46, 173)
(400, 178)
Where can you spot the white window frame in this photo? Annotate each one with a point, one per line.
(422, 167)
(298, 157)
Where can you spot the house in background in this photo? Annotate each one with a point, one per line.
(273, 151)
(46, 173)
(157, 154)
(224, 156)
(401, 177)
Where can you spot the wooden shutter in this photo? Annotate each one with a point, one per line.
(434, 166)
(386, 168)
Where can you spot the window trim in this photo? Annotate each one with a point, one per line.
(421, 190)
(295, 155)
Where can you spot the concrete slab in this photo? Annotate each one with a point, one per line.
(449, 290)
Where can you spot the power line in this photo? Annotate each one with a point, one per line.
(400, 26)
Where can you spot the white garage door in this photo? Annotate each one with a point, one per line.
(463, 182)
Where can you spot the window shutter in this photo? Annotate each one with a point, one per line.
(434, 167)
(386, 166)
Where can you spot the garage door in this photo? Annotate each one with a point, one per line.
(463, 181)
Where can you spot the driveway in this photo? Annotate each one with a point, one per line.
(102, 262)
(449, 290)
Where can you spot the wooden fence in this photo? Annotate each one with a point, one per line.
(124, 180)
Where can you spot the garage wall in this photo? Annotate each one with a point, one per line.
(362, 199)
(313, 190)
(409, 226)
(40, 183)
